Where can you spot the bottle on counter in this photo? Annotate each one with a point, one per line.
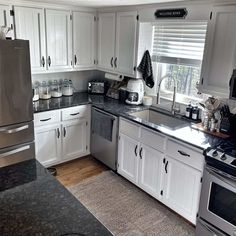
(67, 88)
(188, 111)
(56, 89)
(195, 113)
(44, 91)
(35, 91)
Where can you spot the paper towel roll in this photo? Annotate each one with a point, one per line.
(114, 76)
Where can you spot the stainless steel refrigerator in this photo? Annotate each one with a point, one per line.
(16, 114)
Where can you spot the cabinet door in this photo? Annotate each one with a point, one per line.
(106, 40)
(5, 16)
(74, 139)
(181, 189)
(128, 158)
(150, 170)
(59, 40)
(220, 52)
(83, 40)
(30, 26)
(48, 144)
(126, 42)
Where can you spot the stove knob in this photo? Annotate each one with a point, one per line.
(215, 153)
(223, 157)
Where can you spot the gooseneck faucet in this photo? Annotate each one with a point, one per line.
(173, 106)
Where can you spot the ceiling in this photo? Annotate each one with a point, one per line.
(107, 3)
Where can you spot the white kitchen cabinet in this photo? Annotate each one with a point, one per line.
(117, 42)
(220, 52)
(150, 167)
(5, 16)
(83, 40)
(181, 188)
(48, 144)
(59, 40)
(106, 40)
(74, 139)
(126, 42)
(128, 158)
(30, 26)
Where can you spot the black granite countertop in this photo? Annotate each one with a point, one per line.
(34, 203)
(186, 134)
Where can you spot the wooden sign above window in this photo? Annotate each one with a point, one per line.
(171, 13)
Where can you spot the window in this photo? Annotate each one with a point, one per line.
(177, 49)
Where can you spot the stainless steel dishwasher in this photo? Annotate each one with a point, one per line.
(104, 133)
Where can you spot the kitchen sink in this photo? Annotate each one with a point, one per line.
(161, 119)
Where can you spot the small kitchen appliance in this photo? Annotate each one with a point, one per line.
(135, 89)
(217, 208)
(96, 87)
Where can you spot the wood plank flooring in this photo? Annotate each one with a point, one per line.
(71, 173)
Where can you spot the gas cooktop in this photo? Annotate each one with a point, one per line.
(222, 156)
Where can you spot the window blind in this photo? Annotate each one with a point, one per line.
(179, 42)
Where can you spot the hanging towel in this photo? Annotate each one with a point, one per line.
(145, 67)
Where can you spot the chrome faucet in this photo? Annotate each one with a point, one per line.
(173, 106)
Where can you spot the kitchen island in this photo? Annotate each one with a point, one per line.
(33, 202)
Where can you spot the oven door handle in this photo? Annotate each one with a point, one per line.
(227, 178)
(208, 228)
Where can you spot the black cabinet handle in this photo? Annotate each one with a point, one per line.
(166, 165)
(49, 61)
(135, 150)
(112, 62)
(43, 61)
(141, 153)
(64, 131)
(46, 119)
(74, 114)
(58, 133)
(183, 153)
(75, 59)
(115, 62)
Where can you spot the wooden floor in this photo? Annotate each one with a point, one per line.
(73, 172)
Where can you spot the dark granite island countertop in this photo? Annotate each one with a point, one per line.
(34, 203)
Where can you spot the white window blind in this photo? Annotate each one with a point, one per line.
(179, 42)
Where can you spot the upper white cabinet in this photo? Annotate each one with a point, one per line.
(58, 37)
(220, 52)
(5, 16)
(117, 42)
(106, 40)
(83, 40)
(30, 26)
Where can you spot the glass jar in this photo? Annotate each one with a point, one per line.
(35, 91)
(44, 91)
(67, 89)
(56, 89)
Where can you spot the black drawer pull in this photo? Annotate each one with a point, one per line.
(46, 119)
(166, 165)
(135, 150)
(183, 153)
(74, 114)
(141, 153)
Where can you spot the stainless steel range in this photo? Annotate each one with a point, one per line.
(217, 210)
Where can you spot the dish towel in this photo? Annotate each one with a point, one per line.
(145, 67)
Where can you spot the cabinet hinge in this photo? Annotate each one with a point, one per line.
(210, 15)
(164, 160)
(12, 13)
(137, 17)
(161, 192)
(70, 16)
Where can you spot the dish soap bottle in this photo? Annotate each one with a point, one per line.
(188, 111)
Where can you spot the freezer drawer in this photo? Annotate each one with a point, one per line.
(16, 134)
(15, 154)
(15, 82)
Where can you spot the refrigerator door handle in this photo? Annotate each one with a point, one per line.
(12, 131)
(5, 154)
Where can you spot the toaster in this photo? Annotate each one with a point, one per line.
(96, 87)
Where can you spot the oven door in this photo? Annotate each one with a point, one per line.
(218, 200)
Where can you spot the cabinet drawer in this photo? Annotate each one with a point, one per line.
(48, 117)
(185, 154)
(75, 112)
(130, 129)
(152, 139)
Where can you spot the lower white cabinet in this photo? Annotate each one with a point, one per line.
(48, 144)
(181, 188)
(74, 139)
(172, 178)
(67, 138)
(128, 158)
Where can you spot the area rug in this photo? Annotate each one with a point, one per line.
(126, 210)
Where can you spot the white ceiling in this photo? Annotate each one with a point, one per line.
(107, 3)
